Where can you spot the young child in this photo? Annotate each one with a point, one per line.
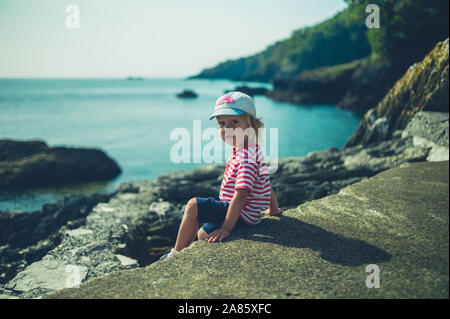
(245, 190)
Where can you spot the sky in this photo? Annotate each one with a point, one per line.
(148, 38)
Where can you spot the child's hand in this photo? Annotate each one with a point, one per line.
(270, 212)
(218, 234)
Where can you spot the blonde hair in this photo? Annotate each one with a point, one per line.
(256, 123)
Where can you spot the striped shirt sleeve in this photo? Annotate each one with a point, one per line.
(247, 172)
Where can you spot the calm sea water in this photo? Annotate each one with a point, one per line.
(132, 121)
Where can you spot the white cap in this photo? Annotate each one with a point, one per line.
(234, 103)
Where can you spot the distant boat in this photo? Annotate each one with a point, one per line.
(187, 94)
(132, 78)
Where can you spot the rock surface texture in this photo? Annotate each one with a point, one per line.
(397, 220)
(139, 223)
(424, 87)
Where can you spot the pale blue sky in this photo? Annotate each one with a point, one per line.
(150, 38)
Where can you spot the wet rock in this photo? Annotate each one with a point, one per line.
(27, 164)
(187, 94)
(21, 229)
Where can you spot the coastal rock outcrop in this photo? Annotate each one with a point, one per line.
(251, 91)
(25, 237)
(140, 221)
(424, 87)
(27, 164)
(187, 94)
(396, 222)
(129, 228)
(362, 84)
(321, 85)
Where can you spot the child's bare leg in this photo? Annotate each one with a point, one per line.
(201, 234)
(188, 226)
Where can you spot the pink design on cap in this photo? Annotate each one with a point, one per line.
(226, 99)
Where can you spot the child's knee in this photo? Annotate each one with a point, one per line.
(191, 206)
(201, 234)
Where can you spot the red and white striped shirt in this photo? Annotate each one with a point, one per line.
(246, 168)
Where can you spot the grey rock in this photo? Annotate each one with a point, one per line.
(22, 229)
(126, 261)
(163, 209)
(78, 232)
(47, 275)
(25, 237)
(139, 224)
(423, 87)
(27, 164)
(433, 126)
(430, 129)
(4, 296)
(397, 220)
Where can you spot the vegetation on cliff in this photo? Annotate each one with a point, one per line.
(340, 60)
(337, 40)
(424, 87)
(409, 29)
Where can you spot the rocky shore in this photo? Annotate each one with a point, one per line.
(361, 84)
(396, 221)
(356, 206)
(309, 86)
(134, 226)
(26, 237)
(424, 87)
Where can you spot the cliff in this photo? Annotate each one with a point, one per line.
(309, 86)
(340, 61)
(424, 87)
(336, 40)
(397, 220)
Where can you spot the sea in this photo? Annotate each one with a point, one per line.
(140, 123)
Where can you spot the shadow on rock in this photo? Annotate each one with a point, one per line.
(334, 248)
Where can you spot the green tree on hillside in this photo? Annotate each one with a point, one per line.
(409, 29)
(337, 40)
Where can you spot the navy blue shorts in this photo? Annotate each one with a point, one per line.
(212, 213)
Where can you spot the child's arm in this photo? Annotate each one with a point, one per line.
(273, 208)
(233, 212)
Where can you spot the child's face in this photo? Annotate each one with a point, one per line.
(232, 122)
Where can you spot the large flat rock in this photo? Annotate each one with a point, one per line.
(28, 164)
(397, 220)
